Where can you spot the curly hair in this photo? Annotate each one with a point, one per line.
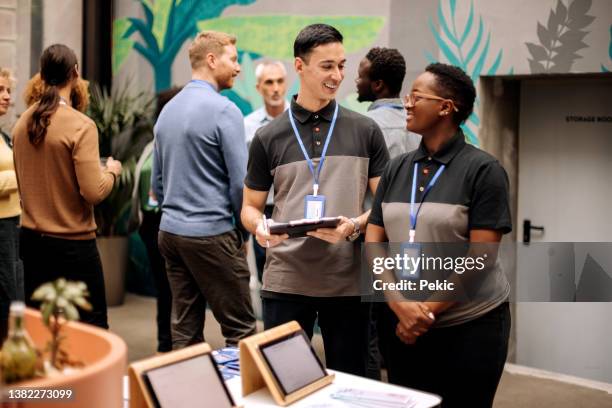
(79, 97)
(388, 65)
(453, 83)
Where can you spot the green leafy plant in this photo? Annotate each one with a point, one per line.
(60, 301)
(561, 39)
(125, 126)
(166, 27)
(460, 47)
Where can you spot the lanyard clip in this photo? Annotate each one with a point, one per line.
(315, 189)
(411, 235)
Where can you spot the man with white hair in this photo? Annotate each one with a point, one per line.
(272, 85)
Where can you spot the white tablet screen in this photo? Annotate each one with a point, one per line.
(188, 383)
(293, 362)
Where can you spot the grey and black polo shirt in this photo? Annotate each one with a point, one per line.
(470, 193)
(356, 153)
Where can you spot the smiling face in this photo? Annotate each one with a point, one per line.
(424, 113)
(322, 71)
(272, 85)
(364, 84)
(5, 94)
(226, 67)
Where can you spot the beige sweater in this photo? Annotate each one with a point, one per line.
(9, 198)
(60, 180)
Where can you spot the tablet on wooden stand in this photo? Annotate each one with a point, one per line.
(282, 359)
(177, 379)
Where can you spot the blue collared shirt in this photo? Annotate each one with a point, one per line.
(199, 162)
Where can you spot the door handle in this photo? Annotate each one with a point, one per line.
(527, 227)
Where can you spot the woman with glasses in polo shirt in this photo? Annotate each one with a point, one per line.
(446, 191)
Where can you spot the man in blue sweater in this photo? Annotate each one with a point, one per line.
(199, 164)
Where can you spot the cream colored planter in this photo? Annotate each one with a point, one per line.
(99, 384)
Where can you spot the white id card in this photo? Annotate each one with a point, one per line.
(314, 207)
(411, 261)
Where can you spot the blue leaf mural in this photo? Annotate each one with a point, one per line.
(461, 47)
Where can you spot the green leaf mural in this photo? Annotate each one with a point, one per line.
(461, 47)
(166, 27)
(561, 39)
(261, 34)
(121, 46)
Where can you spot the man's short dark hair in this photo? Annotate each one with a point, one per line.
(453, 83)
(388, 65)
(312, 36)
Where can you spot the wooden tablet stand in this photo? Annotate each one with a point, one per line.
(139, 392)
(255, 372)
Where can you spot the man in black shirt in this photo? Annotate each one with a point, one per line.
(316, 276)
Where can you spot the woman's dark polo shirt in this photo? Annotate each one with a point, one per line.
(356, 153)
(471, 193)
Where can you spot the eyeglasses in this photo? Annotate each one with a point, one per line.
(414, 97)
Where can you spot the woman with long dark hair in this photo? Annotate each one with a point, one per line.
(11, 274)
(60, 180)
(446, 194)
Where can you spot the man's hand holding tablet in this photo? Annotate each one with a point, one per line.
(265, 238)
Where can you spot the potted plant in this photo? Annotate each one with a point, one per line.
(125, 126)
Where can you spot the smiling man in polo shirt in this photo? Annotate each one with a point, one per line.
(317, 276)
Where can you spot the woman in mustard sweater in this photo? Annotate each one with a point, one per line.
(58, 169)
(11, 274)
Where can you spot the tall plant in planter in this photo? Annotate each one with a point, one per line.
(125, 126)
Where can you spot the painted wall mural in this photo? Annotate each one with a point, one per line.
(561, 38)
(461, 47)
(167, 25)
(484, 37)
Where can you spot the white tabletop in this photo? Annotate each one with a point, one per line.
(322, 399)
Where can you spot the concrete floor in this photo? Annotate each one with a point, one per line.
(134, 321)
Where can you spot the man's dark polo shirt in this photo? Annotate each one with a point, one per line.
(356, 153)
(471, 193)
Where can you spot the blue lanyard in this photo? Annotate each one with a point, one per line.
(413, 216)
(315, 172)
(389, 105)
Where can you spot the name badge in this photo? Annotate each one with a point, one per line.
(314, 207)
(410, 254)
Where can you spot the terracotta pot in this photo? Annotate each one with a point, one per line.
(114, 256)
(100, 383)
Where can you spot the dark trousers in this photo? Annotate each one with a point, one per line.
(11, 270)
(208, 271)
(46, 259)
(462, 364)
(343, 321)
(148, 231)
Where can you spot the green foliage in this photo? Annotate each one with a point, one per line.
(125, 126)
(59, 302)
(121, 46)
(272, 35)
(463, 48)
(561, 39)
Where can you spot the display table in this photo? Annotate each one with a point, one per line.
(321, 398)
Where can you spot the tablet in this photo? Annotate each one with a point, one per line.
(299, 228)
(292, 361)
(189, 382)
